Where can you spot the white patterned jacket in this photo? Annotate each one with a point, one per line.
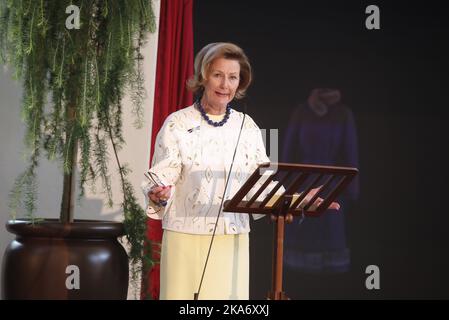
(195, 157)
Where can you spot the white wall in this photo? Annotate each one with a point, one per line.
(136, 153)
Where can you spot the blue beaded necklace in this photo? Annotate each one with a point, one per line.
(208, 120)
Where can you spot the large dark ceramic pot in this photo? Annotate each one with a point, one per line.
(50, 260)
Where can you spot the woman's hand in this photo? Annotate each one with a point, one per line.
(333, 205)
(159, 193)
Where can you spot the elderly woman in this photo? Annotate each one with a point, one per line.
(191, 164)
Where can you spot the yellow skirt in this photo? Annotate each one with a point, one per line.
(182, 262)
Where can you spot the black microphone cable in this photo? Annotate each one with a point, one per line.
(196, 295)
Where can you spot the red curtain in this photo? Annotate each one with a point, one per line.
(174, 66)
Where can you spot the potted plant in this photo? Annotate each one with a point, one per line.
(76, 59)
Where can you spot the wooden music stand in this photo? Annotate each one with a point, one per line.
(296, 178)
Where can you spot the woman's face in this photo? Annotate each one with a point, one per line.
(222, 82)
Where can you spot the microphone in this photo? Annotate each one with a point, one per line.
(196, 294)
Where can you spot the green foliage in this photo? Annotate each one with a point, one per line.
(73, 85)
(135, 224)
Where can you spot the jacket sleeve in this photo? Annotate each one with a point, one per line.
(166, 165)
(349, 153)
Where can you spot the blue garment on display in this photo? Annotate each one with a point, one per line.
(319, 244)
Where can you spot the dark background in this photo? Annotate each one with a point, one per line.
(395, 80)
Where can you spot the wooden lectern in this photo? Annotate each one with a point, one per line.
(298, 181)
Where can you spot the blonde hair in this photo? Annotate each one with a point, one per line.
(206, 57)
